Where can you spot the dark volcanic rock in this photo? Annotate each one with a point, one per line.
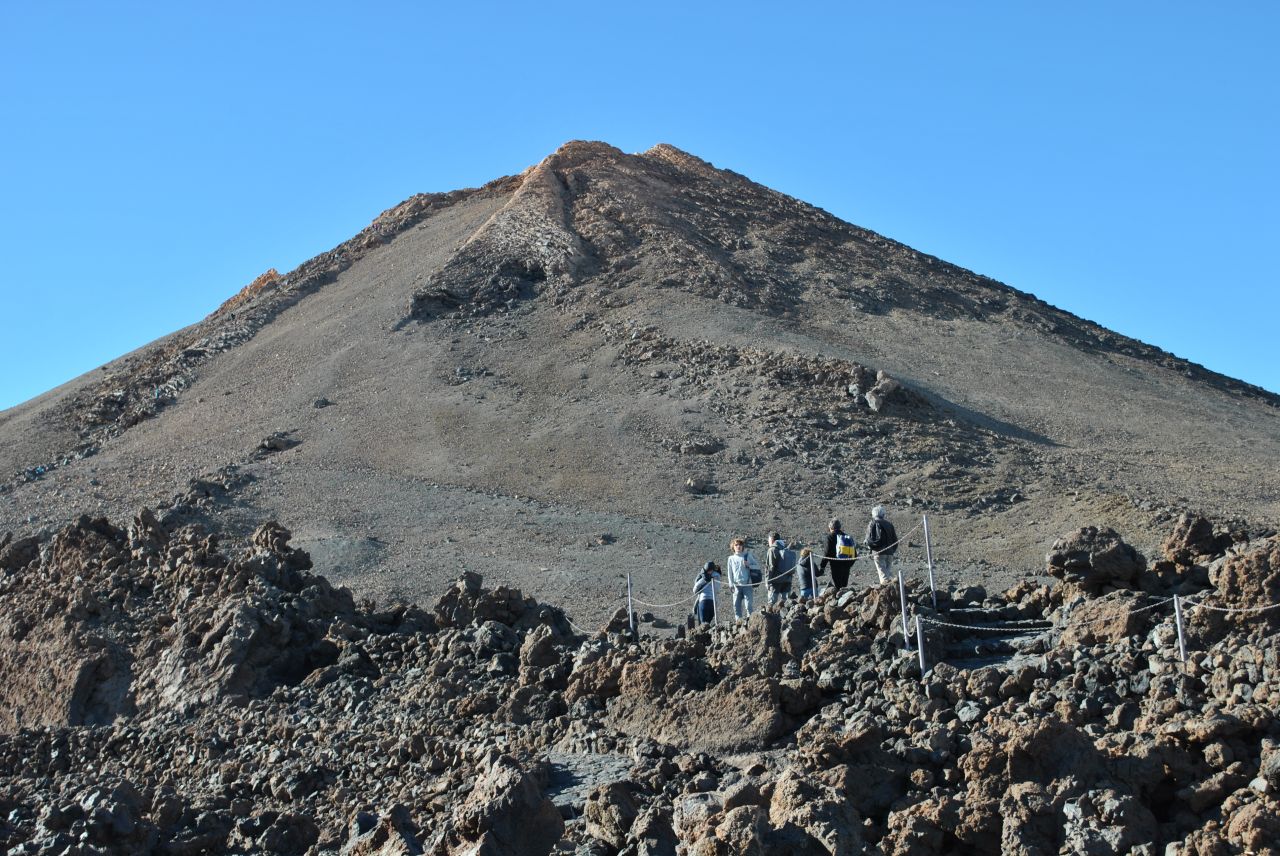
(1094, 559)
(181, 700)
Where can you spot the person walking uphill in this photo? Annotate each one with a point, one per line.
(705, 588)
(807, 568)
(779, 568)
(882, 541)
(839, 554)
(743, 570)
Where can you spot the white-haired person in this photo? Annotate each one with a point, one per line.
(882, 541)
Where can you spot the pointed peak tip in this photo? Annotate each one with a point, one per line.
(577, 151)
(677, 156)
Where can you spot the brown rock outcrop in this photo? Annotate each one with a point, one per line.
(1095, 560)
(506, 814)
(488, 727)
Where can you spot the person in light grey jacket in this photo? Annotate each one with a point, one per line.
(779, 568)
(740, 567)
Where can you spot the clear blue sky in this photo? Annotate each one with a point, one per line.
(1118, 160)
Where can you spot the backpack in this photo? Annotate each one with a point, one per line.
(846, 547)
(753, 568)
(889, 537)
(882, 538)
(782, 566)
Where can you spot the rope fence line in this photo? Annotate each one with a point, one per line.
(1232, 610)
(779, 576)
(582, 632)
(1038, 628)
(984, 627)
(1106, 618)
(691, 599)
(1182, 604)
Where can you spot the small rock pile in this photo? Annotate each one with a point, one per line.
(816, 413)
(160, 696)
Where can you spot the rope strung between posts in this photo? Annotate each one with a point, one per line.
(1188, 606)
(1230, 610)
(1106, 619)
(576, 628)
(1110, 619)
(986, 627)
(690, 599)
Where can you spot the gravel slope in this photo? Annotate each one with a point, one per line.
(512, 373)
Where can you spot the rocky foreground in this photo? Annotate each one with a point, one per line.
(157, 695)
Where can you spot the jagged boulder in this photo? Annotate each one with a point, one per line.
(1094, 560)
(881, 392)
(815, 803)
(1110, 618)
(610, 812)
(506, 813)
(15, 555)
(1193, 540)
(392, 834)
(1247, 581)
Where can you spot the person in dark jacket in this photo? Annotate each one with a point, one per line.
(807, 568)
(839, 567)
(705, 588)
(882, 541)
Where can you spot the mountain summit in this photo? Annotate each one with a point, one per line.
(614, 362)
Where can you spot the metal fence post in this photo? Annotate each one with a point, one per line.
(902, 596)
(1177, 614)
(920, 646)
(631, 613)
(928, 554)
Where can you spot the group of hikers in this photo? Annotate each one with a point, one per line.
(782, 564)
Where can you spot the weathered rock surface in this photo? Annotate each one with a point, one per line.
(1095, 559)
(187, 701)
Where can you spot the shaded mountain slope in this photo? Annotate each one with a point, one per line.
(613, 363)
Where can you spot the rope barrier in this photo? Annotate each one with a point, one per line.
(1181, 605)
(692, 599)
(1046, 627)
(575, 627)
(985, 627)
(1232, 610)
(1107, 618)
(729, 584)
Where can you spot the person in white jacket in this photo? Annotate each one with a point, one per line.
(739, 566)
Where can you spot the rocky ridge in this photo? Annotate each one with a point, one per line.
(159, 695)
(141, 385)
